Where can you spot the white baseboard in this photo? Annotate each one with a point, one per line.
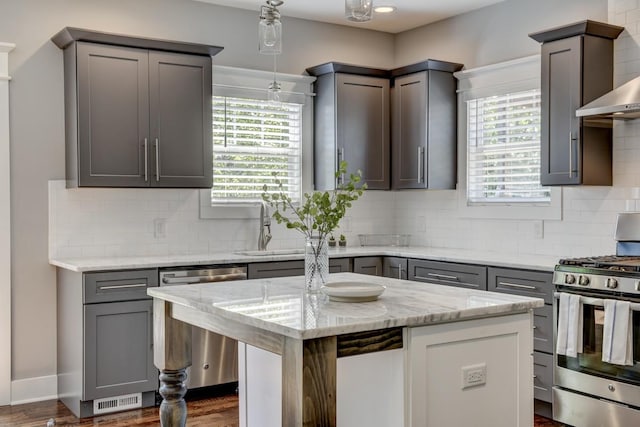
(34, 389)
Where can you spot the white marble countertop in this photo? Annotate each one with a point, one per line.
(530, 262)
(281, 306)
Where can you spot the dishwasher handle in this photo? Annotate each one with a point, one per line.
(203, 279)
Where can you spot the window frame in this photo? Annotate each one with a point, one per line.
(233, 81)
(501, 78)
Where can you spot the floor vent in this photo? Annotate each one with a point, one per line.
(118, 403)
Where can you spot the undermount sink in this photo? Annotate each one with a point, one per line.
(271, 253)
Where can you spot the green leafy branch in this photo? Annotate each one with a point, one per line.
(320, 212)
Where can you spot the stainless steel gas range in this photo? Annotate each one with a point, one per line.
(588, 392)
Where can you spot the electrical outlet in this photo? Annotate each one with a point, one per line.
(538, 229)
(474, 375)
(159, 228)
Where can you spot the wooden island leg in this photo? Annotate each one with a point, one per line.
(172, 355)
(309, 382)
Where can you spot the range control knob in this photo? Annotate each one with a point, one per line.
(583, 280)
(569, 279)
(611, 283)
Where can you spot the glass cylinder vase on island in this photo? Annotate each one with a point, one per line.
(316, 217)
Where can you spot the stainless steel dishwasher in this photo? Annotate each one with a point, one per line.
(214, 357)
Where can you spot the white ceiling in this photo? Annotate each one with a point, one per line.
(409, 14)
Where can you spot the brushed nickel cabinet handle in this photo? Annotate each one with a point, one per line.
(420, 166)
(157, 160)
(340, 160)
(133, 285)
(146, 160)
(516, 285)
(442, 276)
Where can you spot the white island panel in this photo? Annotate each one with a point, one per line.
(369, 392)
(498, 350)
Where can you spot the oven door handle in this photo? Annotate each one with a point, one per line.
(598, 302)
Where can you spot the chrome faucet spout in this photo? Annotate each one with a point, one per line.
(265, 222)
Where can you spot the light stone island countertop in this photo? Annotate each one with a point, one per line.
(527, 262)
(280, 305)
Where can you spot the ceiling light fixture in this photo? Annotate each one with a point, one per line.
(358, 10)
(384, 9)
(270, 41)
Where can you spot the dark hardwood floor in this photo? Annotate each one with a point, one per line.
(210, 412)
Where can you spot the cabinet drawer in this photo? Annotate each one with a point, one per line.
(125, 285)
(266, 270)
(543, 332)
(521, 282)
(542, 376)
(448, 273)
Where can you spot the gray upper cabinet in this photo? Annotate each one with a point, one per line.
(351, 124)
(424, 126)
(138, 111)
(577, 67)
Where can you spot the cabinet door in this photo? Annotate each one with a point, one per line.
(394, 267)
(448, 273)
(181, 134)
(113, 115)
(371, 265)
(409, 130)
(118, 349)
(561, 96)
(362, 114)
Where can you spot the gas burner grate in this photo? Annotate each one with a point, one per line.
(606, 262)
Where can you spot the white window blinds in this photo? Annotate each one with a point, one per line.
(252, 139)
(503, 134)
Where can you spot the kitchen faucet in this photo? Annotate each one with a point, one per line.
(265, 221)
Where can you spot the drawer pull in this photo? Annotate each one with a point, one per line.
(442, 276)
(517, 286)
(133, 285)
(535, 376)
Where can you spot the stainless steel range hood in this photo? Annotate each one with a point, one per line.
(622, 102)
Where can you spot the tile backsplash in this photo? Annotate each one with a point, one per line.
(90, 222)
(121, 222)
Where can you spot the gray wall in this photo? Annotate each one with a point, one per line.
(495, 33)
(37, 125)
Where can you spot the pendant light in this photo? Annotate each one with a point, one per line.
(270, 41)
(358, 10)
(270, 29)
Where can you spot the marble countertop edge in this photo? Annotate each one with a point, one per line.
(529, 262)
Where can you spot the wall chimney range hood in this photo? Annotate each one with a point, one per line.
(622, 102)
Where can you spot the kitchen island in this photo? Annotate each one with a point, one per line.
(460, 347)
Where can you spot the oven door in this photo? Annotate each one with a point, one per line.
(587, 373)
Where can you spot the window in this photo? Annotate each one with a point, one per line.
(252, 139)
(503, 140)
(499, 143)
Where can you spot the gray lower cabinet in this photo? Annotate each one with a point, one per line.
(395, 267)
(536, 284)
(136, 116)
(265, 270)
(424, 136)
(351, 111)
(105, 340)
(577, 67)
(448, 273)
(371, 265)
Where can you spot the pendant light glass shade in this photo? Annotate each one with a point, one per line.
(270, 29)
(358, 10)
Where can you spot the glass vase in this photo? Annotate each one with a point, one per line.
(316, 263)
